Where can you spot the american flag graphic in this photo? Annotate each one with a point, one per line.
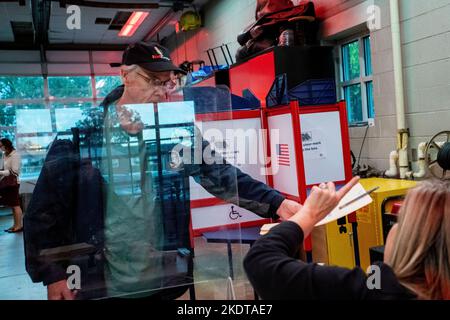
(283, 155)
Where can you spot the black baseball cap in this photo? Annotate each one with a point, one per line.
(150, 56)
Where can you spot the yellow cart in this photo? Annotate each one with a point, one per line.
(334, 247)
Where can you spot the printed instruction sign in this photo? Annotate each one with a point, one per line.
(314, 146)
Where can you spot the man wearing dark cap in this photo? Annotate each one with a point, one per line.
(133, 262)
(147, 72)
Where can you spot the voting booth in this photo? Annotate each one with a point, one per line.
(309, 145)
(236, 134)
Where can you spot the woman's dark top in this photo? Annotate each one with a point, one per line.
(275, 273)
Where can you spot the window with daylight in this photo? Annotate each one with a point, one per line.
(356, 81)
(106, 84)
(31, 116)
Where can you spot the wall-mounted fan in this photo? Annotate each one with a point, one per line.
(437, 155)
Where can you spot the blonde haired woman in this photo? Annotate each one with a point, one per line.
(418, 247)
(417, 264)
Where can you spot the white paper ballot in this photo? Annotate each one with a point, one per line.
(337, 213)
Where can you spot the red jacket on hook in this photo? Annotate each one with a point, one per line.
(271, 17)
(264, 7)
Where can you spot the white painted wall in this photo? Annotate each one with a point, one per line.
(224, 20)
(425, 36)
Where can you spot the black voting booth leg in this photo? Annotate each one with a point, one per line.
(356, 243)
(309, 257)
(230, 259)
(191, 271)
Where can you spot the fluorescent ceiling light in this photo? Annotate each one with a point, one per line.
(133, 23)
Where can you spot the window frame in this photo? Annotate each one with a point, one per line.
(362, 80)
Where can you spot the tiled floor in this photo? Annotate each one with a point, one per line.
(210, 272)
(14, 281)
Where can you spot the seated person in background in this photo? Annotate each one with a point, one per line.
(417, 264)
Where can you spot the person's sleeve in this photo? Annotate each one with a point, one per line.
(15, 164)
(47, 222)
(2, 163)
(257, 196)
(275, 274)
(230, 184)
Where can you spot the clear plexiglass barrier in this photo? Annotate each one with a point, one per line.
(142, 201)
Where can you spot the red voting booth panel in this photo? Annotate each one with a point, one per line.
(294, 111)
(288, 119)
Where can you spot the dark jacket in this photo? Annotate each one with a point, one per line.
(67, 204)
(274, 17)
(273, 14)
(275, 273)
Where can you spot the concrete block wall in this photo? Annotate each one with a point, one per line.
(381, 138)
(426, 50)
(425, 34)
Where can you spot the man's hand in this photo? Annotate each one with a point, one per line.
(288, 208)
(60, 291)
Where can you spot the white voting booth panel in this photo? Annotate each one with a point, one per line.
(224, 129)
(308, 145)
(218, 216)
(322, 147)
(284, 162)
(232, 154)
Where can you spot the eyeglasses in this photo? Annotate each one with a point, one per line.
(168, 84)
